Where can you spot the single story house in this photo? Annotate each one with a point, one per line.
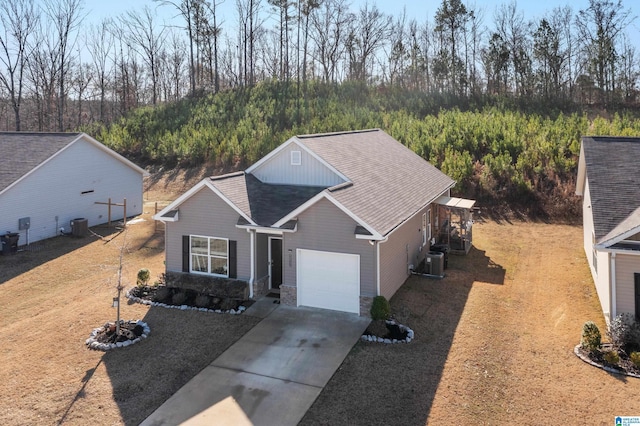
(329, 220)
(609, 184)
(49, 179)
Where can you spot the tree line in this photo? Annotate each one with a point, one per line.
(59, 72)
(498, 155)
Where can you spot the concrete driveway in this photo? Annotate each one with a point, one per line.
(272, 375)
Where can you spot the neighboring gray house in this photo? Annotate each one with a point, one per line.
(609, 182)
(331, 220)
(48, 179)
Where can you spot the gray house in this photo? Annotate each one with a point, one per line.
(49, 179)
(609, 184)
(329, 220)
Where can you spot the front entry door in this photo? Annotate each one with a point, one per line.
(275, 262)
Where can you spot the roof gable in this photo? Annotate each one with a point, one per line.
(390, 183)
(278, 167)
(24, 152)
(610, 166)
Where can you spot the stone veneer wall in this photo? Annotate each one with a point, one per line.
(288, 295)
(365, 306)
(261, 287)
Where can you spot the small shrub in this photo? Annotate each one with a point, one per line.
(202, 301)
(624, 332)
(162, 294)
(591, 337)
(612, 357)
(380, 308)
(143, 277)
(179, 298)
(617, 331)
(635, 358)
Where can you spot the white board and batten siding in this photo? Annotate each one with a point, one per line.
(281, 170)
(198, 214)
(67, 187)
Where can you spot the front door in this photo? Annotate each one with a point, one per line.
(275, 262)
(636, 278)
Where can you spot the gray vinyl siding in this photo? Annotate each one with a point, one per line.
(54, 190)
(403, 248)
(626, 267)
(262, 255)
(324, 227)
(206, 214)
(279, 170)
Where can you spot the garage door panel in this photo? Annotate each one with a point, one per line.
(328, 280)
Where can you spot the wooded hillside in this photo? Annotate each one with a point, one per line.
(524, 161)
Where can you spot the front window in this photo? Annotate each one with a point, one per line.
(210, 255)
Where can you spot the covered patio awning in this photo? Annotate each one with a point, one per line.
(454, 223)
(455, 202)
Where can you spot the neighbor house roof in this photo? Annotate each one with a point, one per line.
(23, 152)
(610, 164)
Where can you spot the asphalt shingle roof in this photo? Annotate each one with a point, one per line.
(614, 184)
(21, 152)
(264, 203)
(390, 182)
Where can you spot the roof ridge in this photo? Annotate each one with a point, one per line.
(344, 132)
(40, 133)
(226, 176)
(634, 139)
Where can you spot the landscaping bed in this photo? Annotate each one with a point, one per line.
(622, 355)
(388, 331)
(109, 336)
(165, 296)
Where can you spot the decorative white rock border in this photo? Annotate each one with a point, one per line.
(135, 299)
(375, 339)
(586, 359)
(92, 343)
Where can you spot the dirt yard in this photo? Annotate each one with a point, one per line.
(52, 296)
(494, 338)
(494, 343)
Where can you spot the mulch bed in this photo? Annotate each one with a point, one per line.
(175, 296)
(387, 332)
(597, 359)
(109, 336)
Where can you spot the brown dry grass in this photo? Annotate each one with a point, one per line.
(50, 300)
(494, 338)
(494, 343)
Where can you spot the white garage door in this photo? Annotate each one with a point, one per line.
(328, 280)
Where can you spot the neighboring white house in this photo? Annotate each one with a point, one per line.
(48, 179)
(609, 182)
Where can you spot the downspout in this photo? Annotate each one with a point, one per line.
(252, 238)
(378, 264)
(613, 286)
